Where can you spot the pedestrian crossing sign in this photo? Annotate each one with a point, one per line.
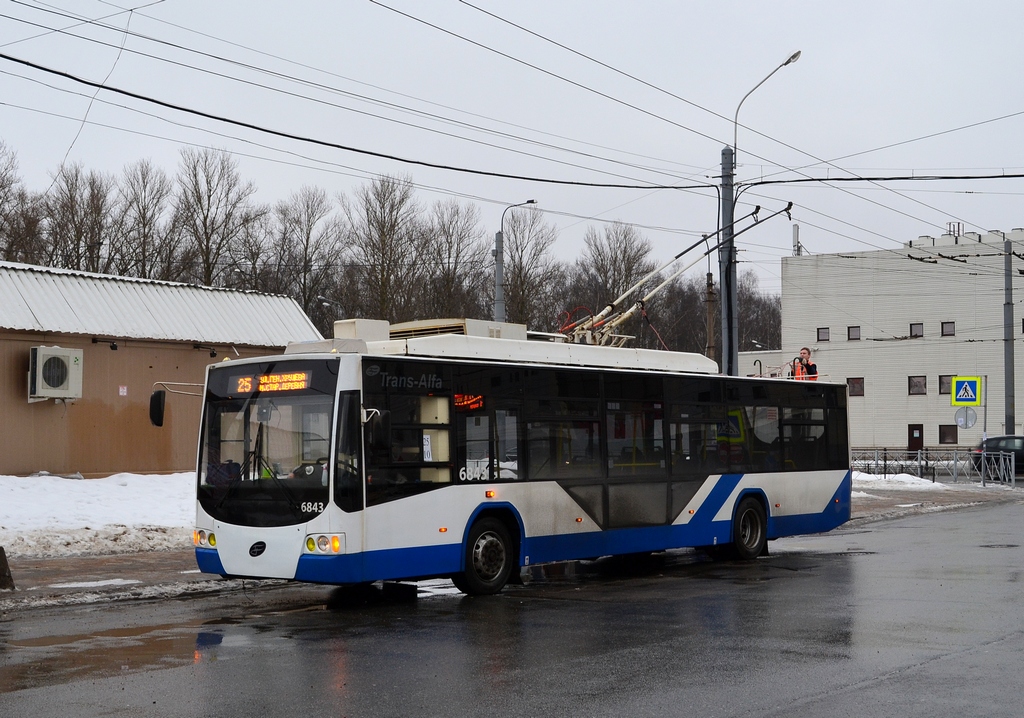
(966, 391)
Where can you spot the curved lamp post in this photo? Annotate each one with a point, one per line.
(499, 264)
(727, 253)
(735, 120)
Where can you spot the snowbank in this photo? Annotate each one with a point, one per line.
(881, 482)
(54, 516)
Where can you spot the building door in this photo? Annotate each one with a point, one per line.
(915, 437)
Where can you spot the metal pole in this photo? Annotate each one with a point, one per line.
(727, 272)
(499, 264)
(1008, 373)
(499, 275)
(727, 253)
(984, 421)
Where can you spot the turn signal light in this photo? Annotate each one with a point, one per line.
(325, 543)
(202, 538)
(579, 519)
(489, 494)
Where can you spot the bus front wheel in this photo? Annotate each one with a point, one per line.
(750, 529)
(488, 559)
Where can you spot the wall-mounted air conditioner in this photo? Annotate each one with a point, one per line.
(54, 373)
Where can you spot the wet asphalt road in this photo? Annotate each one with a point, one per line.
(918, 616)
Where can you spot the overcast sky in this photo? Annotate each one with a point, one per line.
(881, 89)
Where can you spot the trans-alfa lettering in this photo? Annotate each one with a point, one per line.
(425, 381)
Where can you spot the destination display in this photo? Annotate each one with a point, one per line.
(265, 383)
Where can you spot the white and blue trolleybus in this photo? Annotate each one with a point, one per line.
(373, 457)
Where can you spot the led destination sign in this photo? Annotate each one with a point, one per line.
(285, 381)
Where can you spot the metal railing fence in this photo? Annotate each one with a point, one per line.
(938, 464)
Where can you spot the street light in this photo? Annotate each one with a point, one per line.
(727, 253)
(499, 264)
(735, 120)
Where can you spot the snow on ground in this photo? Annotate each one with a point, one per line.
(902, 482)
(46, 515)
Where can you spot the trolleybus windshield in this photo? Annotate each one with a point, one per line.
(266, 439)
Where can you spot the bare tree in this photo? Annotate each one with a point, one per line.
(680, 314)
(532, 276)
(213, 209)
(148, 244)
(386, 243)
(457, 261)
(760, 315)
(308, 246)
(22, 215)
(615, 260)
(80, 214)
(9, 186)
(251, 263)
(24, 223)
(612, 262)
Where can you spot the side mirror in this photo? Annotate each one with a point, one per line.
(156, 407)
(380, 430)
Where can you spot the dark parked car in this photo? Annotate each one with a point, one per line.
(1005, 444)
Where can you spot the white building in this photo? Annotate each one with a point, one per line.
(898, 324)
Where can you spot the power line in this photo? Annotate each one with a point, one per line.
(903, 178)
(352, 95)
(334, 145)
(650, 85)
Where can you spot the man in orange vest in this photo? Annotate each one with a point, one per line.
(803, 368)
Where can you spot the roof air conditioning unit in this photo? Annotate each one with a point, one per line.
(54, 373)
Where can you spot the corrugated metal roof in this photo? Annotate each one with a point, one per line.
(56, 300)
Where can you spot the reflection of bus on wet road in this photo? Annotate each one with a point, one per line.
(353, 461)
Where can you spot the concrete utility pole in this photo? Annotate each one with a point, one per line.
(499, 264)
(727, 252)
(1008, 373)
(727, 272)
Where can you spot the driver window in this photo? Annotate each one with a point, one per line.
(348, 484)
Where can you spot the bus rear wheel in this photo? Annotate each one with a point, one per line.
(750, 529)
(489, 558)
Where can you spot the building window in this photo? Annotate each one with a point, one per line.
(822, 334)
(856, 385)
(945, 383)
(917, 385)
(949, 329)
(947, 434)
(853, 334)
(916, 330)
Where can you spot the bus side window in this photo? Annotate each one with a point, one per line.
(418, 458)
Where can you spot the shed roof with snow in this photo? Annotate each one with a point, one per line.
(63, 301)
